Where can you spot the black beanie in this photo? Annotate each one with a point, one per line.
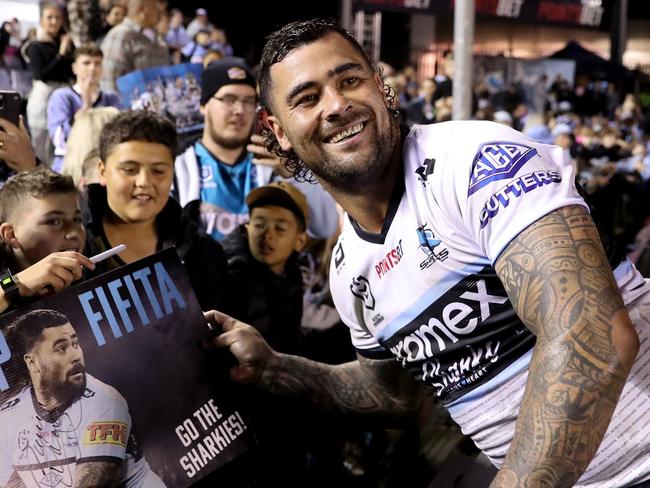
(224, 72)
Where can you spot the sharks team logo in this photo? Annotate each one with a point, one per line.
(428, 244)
(427, 240)
(360, 288)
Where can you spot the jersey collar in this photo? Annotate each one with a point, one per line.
(393, 205)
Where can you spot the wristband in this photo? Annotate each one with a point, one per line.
(10, 287)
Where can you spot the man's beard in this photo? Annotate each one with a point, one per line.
(66, 392)
(353, 176)
(231, 143)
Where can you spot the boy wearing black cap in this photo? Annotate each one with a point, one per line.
(265, 283)
(215, 174)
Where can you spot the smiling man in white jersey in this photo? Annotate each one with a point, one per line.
(469, 256)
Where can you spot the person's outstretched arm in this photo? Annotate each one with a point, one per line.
(100, 474)
(561, 285)
(377, 389)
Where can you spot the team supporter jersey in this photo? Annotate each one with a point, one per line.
(223, 191)
(425, 290)
(45, 451)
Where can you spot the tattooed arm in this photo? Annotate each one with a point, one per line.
(561, 285)
(97, 474)
(378, 389)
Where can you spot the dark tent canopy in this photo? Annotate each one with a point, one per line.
(589, 63)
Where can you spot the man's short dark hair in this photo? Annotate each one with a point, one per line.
(40, 183)
(89, 49)
(26, 331)
(291, 36)
(137, 125)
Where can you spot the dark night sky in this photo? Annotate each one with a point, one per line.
(248, 22)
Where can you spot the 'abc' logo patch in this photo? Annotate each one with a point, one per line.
(497, 161)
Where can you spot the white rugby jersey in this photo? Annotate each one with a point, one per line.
(45, 451)
(425, 290)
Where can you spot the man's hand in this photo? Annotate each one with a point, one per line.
(263, 157)
(16, 147)
(561, 285)
(54, 272)
(255, 356)
(374, 390)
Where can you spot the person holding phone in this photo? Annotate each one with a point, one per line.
(50, 60)
(16, 152)
(214, 175)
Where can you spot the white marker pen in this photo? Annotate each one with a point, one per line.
(107, 254)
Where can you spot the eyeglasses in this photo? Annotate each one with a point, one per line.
(249, 104)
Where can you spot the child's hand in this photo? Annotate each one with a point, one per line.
(54, 272)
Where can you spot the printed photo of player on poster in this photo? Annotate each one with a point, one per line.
(65, 412)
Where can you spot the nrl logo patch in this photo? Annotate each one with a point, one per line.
(236, 73)
(360, 288)
(496, 161)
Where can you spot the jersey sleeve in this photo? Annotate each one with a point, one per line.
(512, 182)
(107, 424)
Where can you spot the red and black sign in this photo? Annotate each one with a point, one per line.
(582, 13)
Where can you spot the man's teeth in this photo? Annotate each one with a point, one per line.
(143, 197)
(346, 133)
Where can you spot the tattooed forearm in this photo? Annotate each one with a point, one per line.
(97, 474)
(561, 285)
(377, 389)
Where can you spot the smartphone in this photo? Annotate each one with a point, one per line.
(10, 105)
(260, 120)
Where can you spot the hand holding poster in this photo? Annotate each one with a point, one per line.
(105, 384)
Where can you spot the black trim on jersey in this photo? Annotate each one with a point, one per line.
(53, 415)
(375, 353)
(101, 459)
(48, 464)
(393, 205)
